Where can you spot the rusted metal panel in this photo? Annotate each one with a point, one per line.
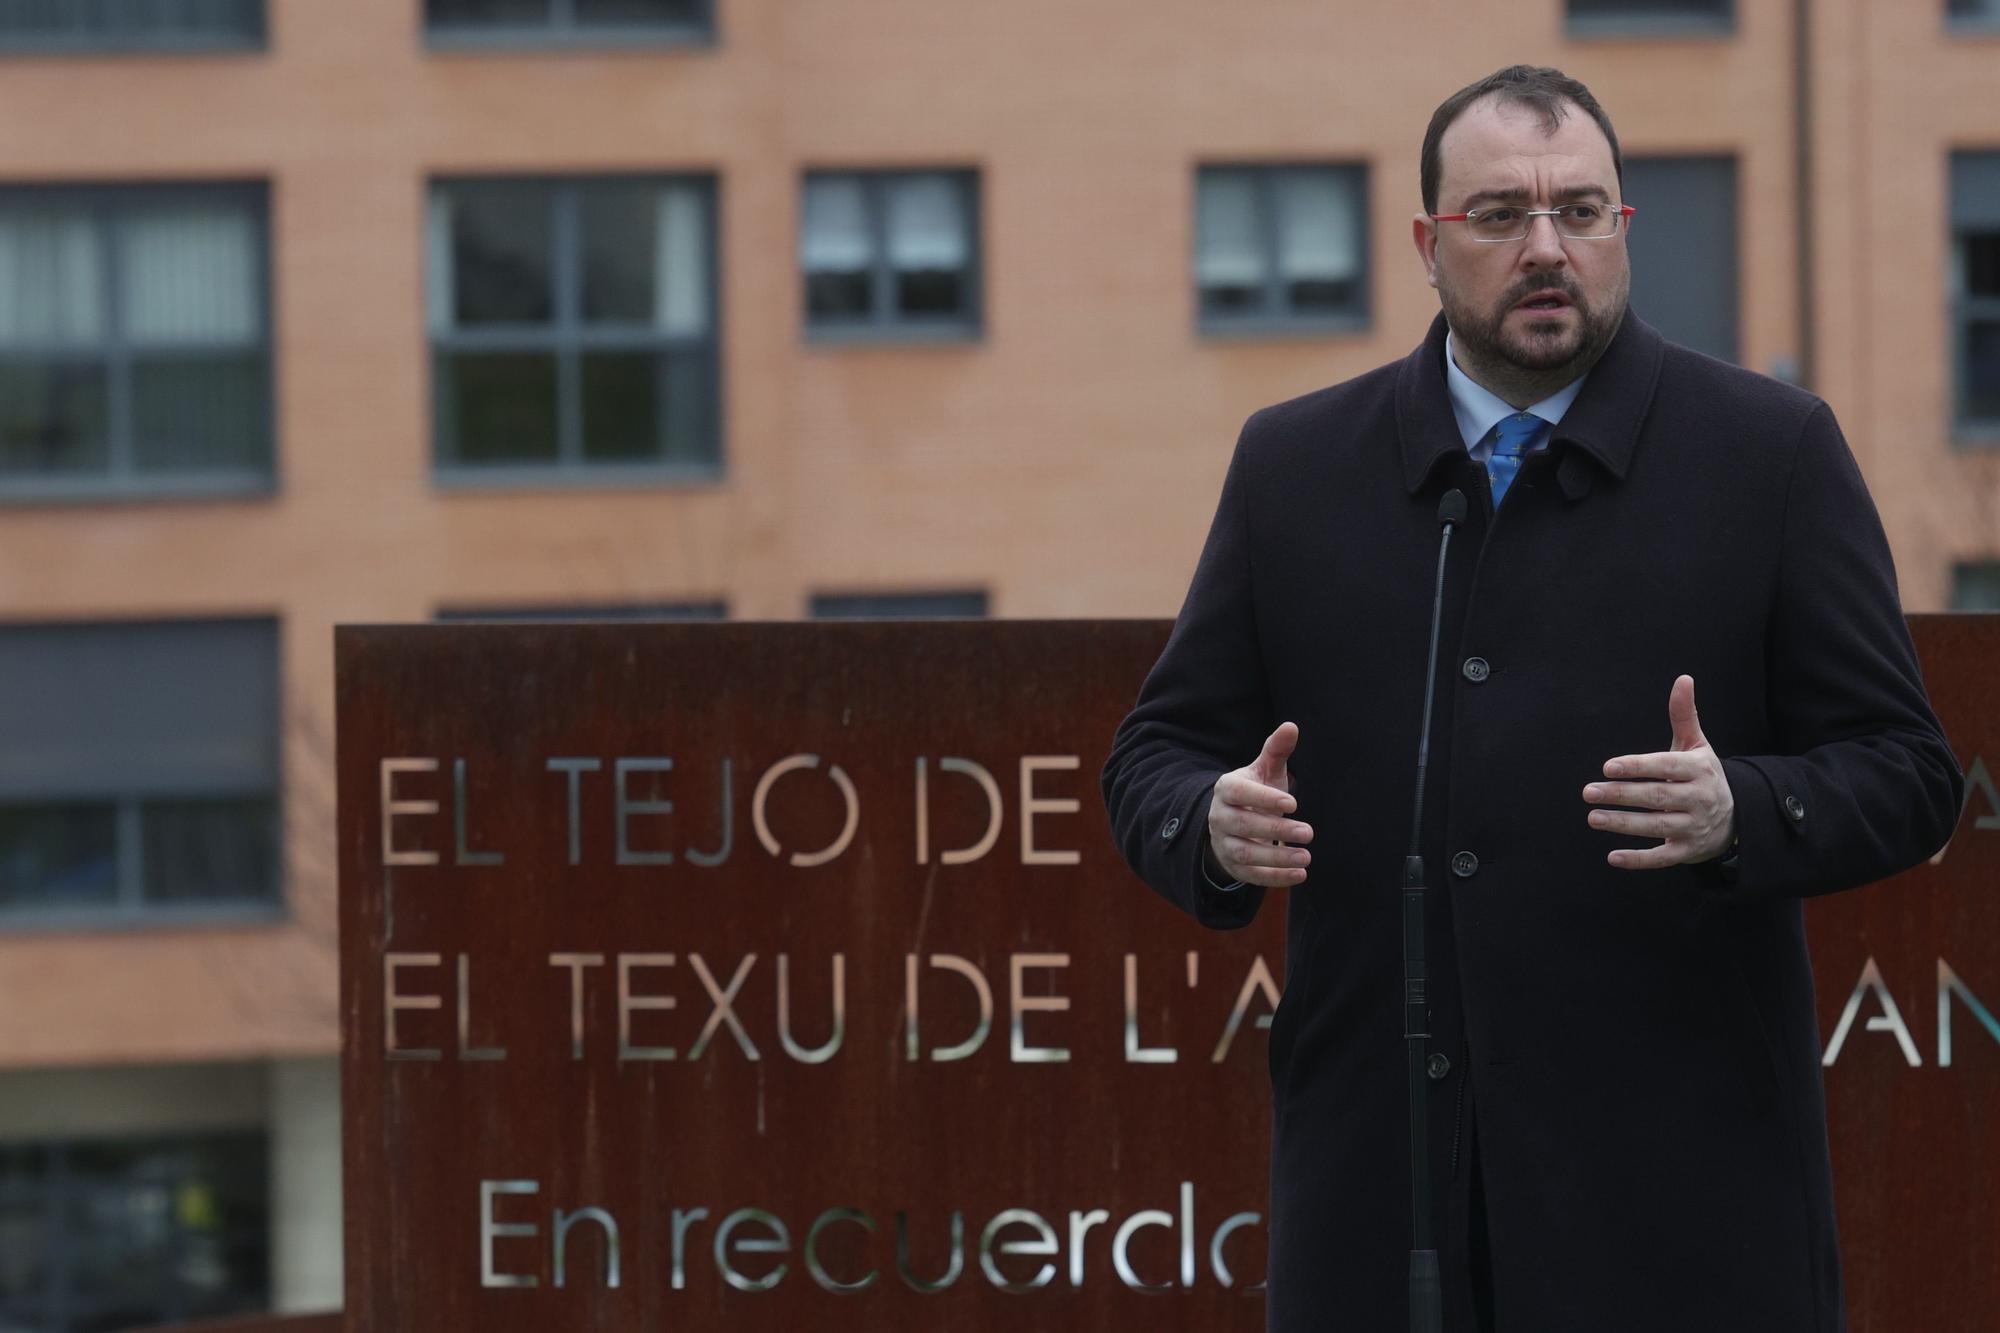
(1046, 1113)
(792, 757)
(1916, 1168)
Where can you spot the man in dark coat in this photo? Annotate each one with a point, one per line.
(1627, 1124)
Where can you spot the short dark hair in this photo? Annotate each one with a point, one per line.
(1548, 92)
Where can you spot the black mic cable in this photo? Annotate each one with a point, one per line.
(1426, 1289)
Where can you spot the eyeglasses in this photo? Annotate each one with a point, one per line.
(1510, 222)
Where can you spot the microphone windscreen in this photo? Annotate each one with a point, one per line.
(1451, 509)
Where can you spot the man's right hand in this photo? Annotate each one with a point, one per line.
(1250, 823)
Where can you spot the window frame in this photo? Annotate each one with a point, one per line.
(1269, 320)
(1668, 21)
(567, 336)
(884, 325)
(1729, 180)
(1969, 434)
(131, 908)
(561, 31)
(108, 205)
(219, 41)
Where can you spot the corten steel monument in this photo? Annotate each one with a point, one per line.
(784, 977)
(778, 976)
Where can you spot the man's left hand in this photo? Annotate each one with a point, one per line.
(1681, 795)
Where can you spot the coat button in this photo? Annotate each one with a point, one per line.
(1171, 827)
(1476, 669)
(1465, 865)
(1795, 808)
(1438, 1066)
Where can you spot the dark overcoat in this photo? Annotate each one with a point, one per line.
(1636, 1051)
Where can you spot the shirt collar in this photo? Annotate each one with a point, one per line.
(1478, 409)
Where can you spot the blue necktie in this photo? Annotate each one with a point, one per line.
(1511, 439)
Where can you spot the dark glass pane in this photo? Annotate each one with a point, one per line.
(1962, 9)
(38, 17)
(645, 406)
(131, 18)
(1685, 267)
(927, 293)
(500, 248)
(1322, 296)
(897, 605)
(1231, 299)
(497, 407)
(1982, 263)
(167, 1229)
(620, 252)
(1976, 587)
(197, 412)
(52, 417)
(621, 405)
(692, 430)
(205, 850)
(838, 296)
(24, 1250)
(627, 12)
(58, 855)
(497, 12)
(22, 1166)
(24, 1227)
(1982, 370)
(181, 16)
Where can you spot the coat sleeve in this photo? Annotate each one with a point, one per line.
(1204, 709)
(1864, 784)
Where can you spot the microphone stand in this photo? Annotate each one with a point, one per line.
(1426, 1289)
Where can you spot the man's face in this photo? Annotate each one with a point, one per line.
(1540, 305)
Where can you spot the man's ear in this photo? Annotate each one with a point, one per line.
(1424, 232)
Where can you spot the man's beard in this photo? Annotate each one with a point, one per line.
(1543, 347)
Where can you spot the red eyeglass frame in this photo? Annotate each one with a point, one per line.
(1623, 211)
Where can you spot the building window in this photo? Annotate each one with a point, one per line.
(898, 605)
(135, 350)
(1975, 586)
(568, 22)
(1684, 249)
(716, 610)
(140, 775)
(891, 254)
(123, 1233)
(1625, 18)
(1973, 13)
(1281, 247)
(573, 328)
(130, 25)
(1975, 223)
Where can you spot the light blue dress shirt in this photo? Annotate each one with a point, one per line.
(1478, 410)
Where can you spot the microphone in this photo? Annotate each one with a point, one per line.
(1426, 1290)
(1451, 512)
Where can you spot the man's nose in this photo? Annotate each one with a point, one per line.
(1543, 247)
